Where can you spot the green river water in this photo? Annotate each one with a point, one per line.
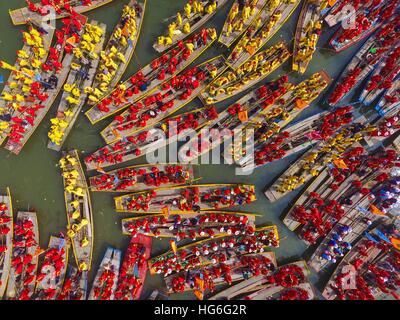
(35, 180)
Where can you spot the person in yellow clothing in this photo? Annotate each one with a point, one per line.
(229, 29)
(234, 12)
(186, 28)
(171, 29)
(84, 242)
(246, 12)
(76, 215)
(83, 266)
(179, 20)
(190, 47)
(188, 10)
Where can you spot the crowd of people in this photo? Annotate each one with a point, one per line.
(191, 199)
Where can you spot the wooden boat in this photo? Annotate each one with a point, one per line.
(191, 198)
(366, 22)
(190, 225)
(142, 177)
(194, 16)
(79, 209)
(282, 111)
(134, 269)
(348, 279)
(239, 19)
(206, 252)
(164, 100)
(308, 32)
(36, 110)
(51, 276)
(361, 65)
(37, 41)
(151, 76)
(6, 239)
(234, 82)
(295, 137)
(311, 163)
(105, 283)
(225, 273)
(382, 78)
(271, 19)
(75, 285)
(231, 119)
(119, 50)
(288, 275)
(167, 131)
(78, 84)
(389, 101)
(22, 277)
(24, 15)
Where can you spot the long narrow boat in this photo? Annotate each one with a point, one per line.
(134, 268)
(55, 72)
(37, 41)
(366, 21)
(389, 101)
(306, 168)
(167, 131)
(6, 239)
(190, 225)
(272, 18)
(24, 263)
(308, 32)
(62, 9)
(142, 177)
(296, 137)
(105, 283)
(78, 208)
(119, 50)
(239, 18)
(78, 84)
(51, 276)
(75, 285)
(152, 75)
(364, 61)
(164, 100)
(288, 275)
(228, 121)
(206, 252)
(222, 273)
(196, 14)
(282, 111)
(382, 78)
(371, 248)
(188, 199)
(234, 82)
